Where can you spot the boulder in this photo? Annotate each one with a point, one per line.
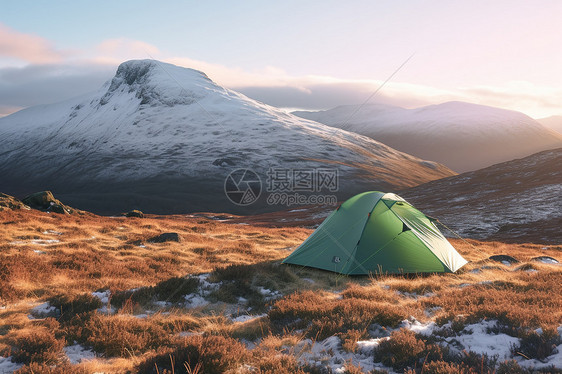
(165, 237)
(45, 201)
(135, 213)
(10, 202)
(504, 259)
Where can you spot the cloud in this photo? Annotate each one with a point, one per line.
(112, 51)
(538, 101)
(22, 87)
(53, 76)
(27, 47)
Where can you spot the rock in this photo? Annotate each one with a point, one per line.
(165, 237)
(504, 258)
(45, 201)
(10, 202)
(545, 260)
(135, 213)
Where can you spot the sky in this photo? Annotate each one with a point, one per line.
(294, 54)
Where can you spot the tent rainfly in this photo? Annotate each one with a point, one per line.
(381, 233)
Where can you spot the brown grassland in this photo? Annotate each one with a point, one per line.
(63, 259)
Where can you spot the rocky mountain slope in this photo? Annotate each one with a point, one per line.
(518, 200)
(460, 135)
(515, 201)
(163, 139)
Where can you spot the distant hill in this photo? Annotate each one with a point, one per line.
(518, 200)
(163, 139)
(461, 135)
(553, 122)
(514, 201)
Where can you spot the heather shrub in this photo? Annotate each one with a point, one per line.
(36, 368)
(511, 367)
(403, 349)
(38, 345)
(539, 346)
(172, 290)
(118, 335)
(211, 354)
(322, 317)
(276, 363)
(70, 306)
(350, 339)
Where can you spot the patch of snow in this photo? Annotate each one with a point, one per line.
(506, 263)
(45, 241)
(7, 366)
(43, 310)
(77, 353)
(430, 312)
(475, 337)
(555, 359)
(328, 353)
(416, 326)
(195, 301)
(162, 304)
(39, 251)
(368, 346)
(52, 232)
(104, 298)
(36, 241)
(269, 294)
(247, 317)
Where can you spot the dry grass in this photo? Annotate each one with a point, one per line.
(63, 259)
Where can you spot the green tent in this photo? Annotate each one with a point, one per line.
(377, 232)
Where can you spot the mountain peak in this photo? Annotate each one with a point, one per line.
(154, 82)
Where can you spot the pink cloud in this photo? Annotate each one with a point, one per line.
(27, 47)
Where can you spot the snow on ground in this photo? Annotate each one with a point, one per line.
(269, 294)
(475, 338)
(198, 299)
(43, 310)
(7, 366)
(416, 326)
(195, 301)
(554, 359)
(77, 353)
(104, 297)
(35, 241)
(247, 317)
(52, 232)
(328, 353)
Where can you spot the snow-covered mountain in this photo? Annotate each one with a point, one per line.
(514, 201)
(460, 135)
(518, 200)
(553, 122)
(164, 138)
